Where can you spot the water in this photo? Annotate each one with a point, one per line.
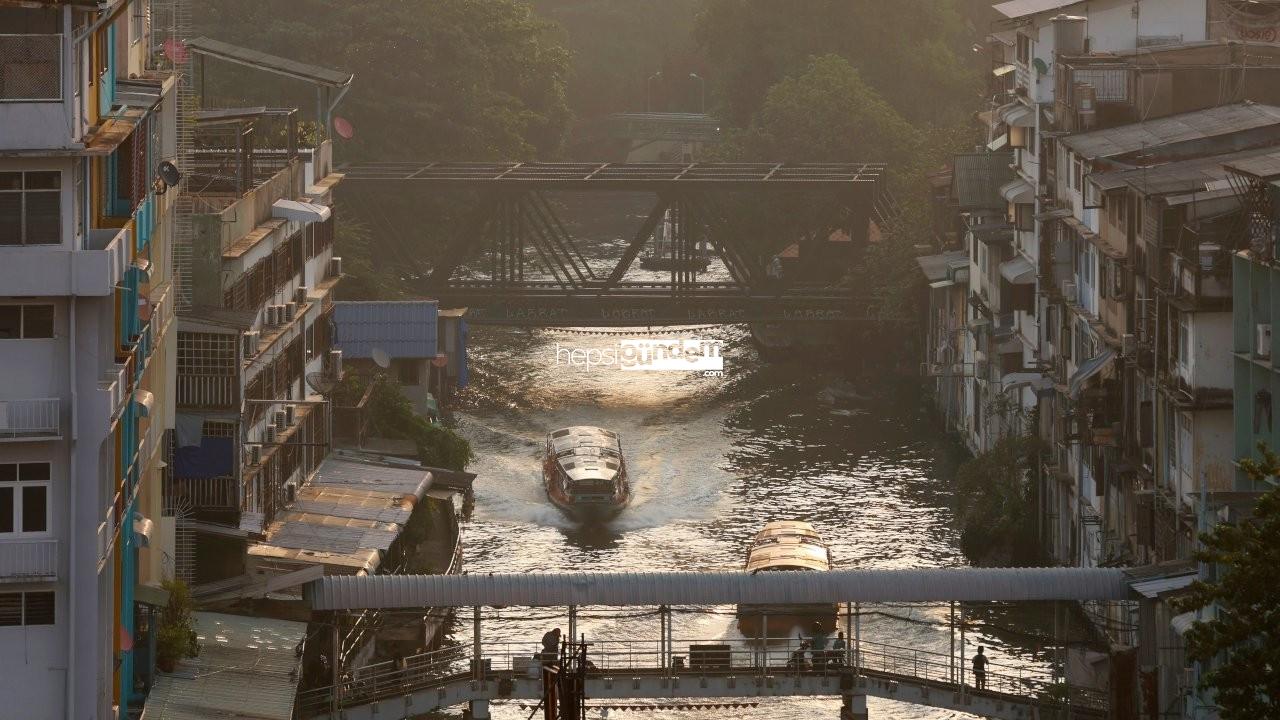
(712, 459)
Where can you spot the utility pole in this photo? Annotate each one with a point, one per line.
(702, 82)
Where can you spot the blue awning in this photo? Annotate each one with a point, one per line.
(1088, 369)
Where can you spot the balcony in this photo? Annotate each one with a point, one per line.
(32, 93)
(30, 420)
(57, 271)
(28, 560)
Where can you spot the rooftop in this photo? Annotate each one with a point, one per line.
(1264, 166)
(248, 668)
(1207, 175)
(345, 518)
(977, 178)
(269, 63)
(1014, 9)
(1199, 125)
(400, 329)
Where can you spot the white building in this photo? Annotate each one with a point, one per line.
(87, 113)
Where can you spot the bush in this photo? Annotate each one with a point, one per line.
(175, 633)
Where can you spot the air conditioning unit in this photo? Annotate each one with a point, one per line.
(250, 340)
(300, 295)
(1128, 344)
(280, 421)
(255, 454)
(335, 363)
(290, 309)
(290, 414)
(271, 316)
(335, 266)
(290, 491)
(269, 435)
(1263, 349)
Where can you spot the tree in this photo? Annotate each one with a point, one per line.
(913, 52)
(434, 79)
(995, 501)
(1240, 639)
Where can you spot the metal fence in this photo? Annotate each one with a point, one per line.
(37, 418)
(30, 68)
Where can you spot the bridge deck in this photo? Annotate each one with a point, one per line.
(731, 669)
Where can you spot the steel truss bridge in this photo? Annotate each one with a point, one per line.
(697, 668)
(538, 275)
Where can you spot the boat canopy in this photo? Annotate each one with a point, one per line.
(788, 545)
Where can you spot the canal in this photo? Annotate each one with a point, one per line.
(712, 459)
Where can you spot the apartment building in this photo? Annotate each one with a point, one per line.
(88, 121)
(254, 347)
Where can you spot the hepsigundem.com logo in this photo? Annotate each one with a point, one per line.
(640, 354)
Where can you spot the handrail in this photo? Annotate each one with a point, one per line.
(436, 668)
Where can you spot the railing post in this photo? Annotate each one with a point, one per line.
(857, 638)
(476, 660)
(764, 630)
(335, 697)
(951, 630)
(962, 650)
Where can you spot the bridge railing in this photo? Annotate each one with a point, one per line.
(779, 656)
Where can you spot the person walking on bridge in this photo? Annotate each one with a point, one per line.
(819, 645)
(980, 670)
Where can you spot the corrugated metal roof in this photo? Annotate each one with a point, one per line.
(976, 180)
(1197, 175)
(248, 668)
(268, 62)
(1201, 124)
(352, 474)
(1264, 166)
(718, 588)
(401, 329)
(1021, 8)
(935, 267)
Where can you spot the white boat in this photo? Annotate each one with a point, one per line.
(584, 472)
(787, 546)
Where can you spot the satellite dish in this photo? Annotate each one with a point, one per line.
(344, 128)
(168, 172)
(1041, 66)
(175, 50)
(322, 383)
(380, 358)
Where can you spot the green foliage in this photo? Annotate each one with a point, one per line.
(827, 113)
(391, 415)
(365, 278)
(617, 45)
(1241, 635)
(994, 500)
(913, 52)
(438, 79)
(175, 632)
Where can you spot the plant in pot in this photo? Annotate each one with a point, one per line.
(175, 633)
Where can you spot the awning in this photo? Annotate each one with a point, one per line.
(1018, 115)
(1001, 234)
(1018, 271)
(1018, 192)
(1003, 70)
(270, 63)
(1182, 623)
(1055, 214)
(941, 284)
(1001, 140)
(301, 211)
(1034, 380)
(1088, 369)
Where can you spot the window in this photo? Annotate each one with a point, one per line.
(1077, 173)
(408, 371)
(26, 321)
(1024, 49)
(31, 208)
(1183, 349)
(1024, 216)
(24, 497)
(29, 608)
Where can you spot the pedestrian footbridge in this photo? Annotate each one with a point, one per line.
(728, 668)
(697, 669)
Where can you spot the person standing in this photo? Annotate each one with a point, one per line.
(819, 648)
(980, 670)
(550, 646)
(837, 650)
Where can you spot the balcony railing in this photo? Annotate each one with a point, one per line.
(28, 560)
(30, 68)
(36, 419)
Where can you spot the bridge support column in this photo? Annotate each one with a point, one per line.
(478, 710)
(854, 707)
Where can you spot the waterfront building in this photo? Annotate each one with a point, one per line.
(88, 119)
(254, 345)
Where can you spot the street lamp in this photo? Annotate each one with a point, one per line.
(648, 90)
(702, 83)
